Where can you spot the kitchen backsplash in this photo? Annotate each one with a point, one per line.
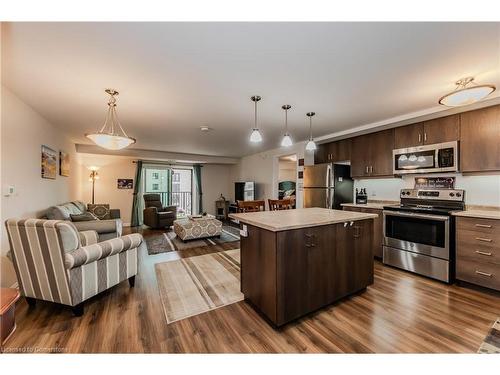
(480, 190)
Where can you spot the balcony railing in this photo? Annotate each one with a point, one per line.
(180, 199)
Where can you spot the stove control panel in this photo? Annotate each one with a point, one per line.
(444, 194)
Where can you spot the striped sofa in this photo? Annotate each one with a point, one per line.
(54, 262)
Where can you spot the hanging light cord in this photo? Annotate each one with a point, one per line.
(255, 124)
(112, 118)
(310, 128)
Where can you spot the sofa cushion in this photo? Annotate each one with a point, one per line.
(101, 211)
(63, 211)
(86, 216)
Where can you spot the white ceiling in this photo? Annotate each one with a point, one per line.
(175, 77)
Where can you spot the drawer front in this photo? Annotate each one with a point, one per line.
(479, 273)
(478, 254)
(478, 239)
(483, 226)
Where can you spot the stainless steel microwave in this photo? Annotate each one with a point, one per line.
(439, 157)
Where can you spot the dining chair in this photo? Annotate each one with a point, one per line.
(251, 206)
(280, 204)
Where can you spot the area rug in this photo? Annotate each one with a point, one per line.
(491, 343)
(164, 242)
(195, 285)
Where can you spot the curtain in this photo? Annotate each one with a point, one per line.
(197, 181)
(136, 203)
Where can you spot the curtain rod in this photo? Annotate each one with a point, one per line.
(164, 162)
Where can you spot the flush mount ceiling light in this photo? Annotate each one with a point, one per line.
(255, 137)
(205, 128)
(311, 145)
(287, 140)
(466, 92)
(111, 135)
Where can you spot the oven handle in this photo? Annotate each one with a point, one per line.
(418, 216)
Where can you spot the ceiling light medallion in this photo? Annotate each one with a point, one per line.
(287, 140)
(111, 136)
(311, 145)
(255, 137)
(466, 92)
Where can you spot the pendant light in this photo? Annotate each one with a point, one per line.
(111, 136)
(466, 92)
(287, 140)
(311, 145)
(255, 137)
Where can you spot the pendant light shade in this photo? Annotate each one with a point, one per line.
(311, 145)
(255, 136)
(111, 136)
(287, 140)
(466, 92)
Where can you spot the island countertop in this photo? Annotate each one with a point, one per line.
(276, 221)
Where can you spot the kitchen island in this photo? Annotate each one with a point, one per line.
(294, 262)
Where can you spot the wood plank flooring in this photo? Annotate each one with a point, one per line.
(400, 313)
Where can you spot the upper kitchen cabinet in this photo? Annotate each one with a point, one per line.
(333, 152)
(371, 154)
(444, 129)
(409, 135)
(480, 140)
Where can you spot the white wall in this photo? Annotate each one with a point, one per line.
(23, 133)
(483, 190)
(215, 180)
(111, 168)
(263, 168)
(287, 171)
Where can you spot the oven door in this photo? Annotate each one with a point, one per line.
(419, 233)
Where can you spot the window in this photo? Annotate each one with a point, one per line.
(176, 177)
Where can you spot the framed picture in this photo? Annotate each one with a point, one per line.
(125, 183)
(49, 163)
(63, 164)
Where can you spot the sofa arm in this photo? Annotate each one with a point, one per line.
(92, 253)
(88, 237)
(114, 213)
(169, 209)
(100, 226)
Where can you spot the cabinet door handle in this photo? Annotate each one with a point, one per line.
(419, 137)
(483, 253)
(484, 239)
(345, 224)
(371, 168)
(366, 170)
(484, 273)
(425, 137)
(351, 223)
(483, 226)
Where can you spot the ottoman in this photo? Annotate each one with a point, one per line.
(195, 228)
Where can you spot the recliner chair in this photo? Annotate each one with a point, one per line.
(155, 215)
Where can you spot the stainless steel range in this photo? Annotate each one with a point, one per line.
(419, 233)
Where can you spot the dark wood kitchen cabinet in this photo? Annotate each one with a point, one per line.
(378, 234)
(480, 140)
(444, 129)
(371, 154)
(409, 135)
(288, 274)
(333, 152)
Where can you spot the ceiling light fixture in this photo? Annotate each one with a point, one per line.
(466, 92)
(311, 145)
(287, 140)
(111, 136)
(255, 137)
(205, 128)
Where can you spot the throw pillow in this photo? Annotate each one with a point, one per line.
(87, 216)
(100, 210)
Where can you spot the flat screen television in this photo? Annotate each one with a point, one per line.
(244, 191)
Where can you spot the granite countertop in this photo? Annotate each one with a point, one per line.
(276, 221)
(377, 205)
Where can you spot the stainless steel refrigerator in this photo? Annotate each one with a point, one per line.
(328, 185)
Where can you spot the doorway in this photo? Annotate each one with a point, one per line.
(287, 176)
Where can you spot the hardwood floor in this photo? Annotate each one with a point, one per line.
(401, 312)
